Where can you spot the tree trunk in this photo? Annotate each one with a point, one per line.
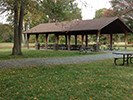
(18, 26)
(16, 43)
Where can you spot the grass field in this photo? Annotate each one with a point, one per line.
(6, 50)
(99, 80)
(30, 53)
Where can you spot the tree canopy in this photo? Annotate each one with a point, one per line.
(53, 11)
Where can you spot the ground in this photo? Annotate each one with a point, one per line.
(70, 77)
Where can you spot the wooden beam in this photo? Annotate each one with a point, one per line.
(56, 41)
(86, 40)
(46, 41)
(76, 42)
(97, 41)
(37, 44)
(69, 42)
(111, 42)
(27, 41)
(82, 40)
(36, 39)
(66, 40)
(126, 40)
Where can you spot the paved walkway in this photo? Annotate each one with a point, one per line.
(53, 61)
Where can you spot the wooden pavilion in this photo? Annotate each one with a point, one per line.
(110, 25)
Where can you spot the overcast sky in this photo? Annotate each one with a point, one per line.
(88, 12)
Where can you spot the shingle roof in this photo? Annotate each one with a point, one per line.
(76, 25)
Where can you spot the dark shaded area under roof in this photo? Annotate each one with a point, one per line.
(110, 25)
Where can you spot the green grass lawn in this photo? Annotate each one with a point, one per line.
(99, 80)
(30, 53)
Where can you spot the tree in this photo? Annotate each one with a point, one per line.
(56, 10)
(6, 34)
(104, 13)
(124, 9)
(18, 25)
(60, 10)
(100, 13)
(17, 8)
(109, 13)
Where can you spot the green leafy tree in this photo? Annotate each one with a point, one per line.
(100, 13)
(60, 10)
(36, 11)
(6, 33)
(17, 8)
(53, 11)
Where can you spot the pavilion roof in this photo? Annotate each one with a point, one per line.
(105, 25)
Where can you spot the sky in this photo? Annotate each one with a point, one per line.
(2, 18)
(88, 11)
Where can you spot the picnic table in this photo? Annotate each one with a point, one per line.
(125, 55)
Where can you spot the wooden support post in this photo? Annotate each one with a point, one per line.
(97, 41)
(82, 40)
(86, 40)
(76, 42)
(27, 42)
(58, 38)
(69, 42)
(126, 38)
(66, 40)
(36, 39)
(111, 42)
(46, 41)
(56, 41)
(37, 44)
